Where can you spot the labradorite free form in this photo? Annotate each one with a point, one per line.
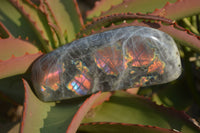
(117, 59)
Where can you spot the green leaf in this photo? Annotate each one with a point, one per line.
(16, 47)
(176, 10)
(167, 8)
(38, 22)
(15, 22)
(88, 103)
(67, 115)
(127, 108)
(17, 65)
(4, 32)
(28, 20)
(134, 6)
(180, 35)
(66, 17)
(34, 112)
(100, 6)
(104, 127)
(53, 117)
(10, 85)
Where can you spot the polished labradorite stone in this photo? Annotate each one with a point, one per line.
(117, 59)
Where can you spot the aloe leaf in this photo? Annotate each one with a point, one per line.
(15, 22)
(16, 47)
(17, 65)
(180, 34)
(66, 17)
(92, 101)
(84, 108)
(34, 111)
(10, 78)
(105, 96)
(167, 8)
(127, 108)
(179, 9)
(38, 22)
(143, 6)
(101, 6)
(70, 112)
(106, 127)
(5, 33)
(36, 19)
(53, 117)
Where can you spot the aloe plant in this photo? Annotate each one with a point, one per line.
(31, 28)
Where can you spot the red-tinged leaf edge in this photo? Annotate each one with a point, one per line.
(109, 20)
(122, 97)
(52, 22)
(79, 12)
(4, 32)
(179, 9)
(133, 91)
(16, 47)
(157, 129)
(69, 12)
(84, 108)
(179, 33)
(17, 65)
(98, 7)
(34, 25)
(25, 108)
(176, 10)
(135, 6)
(29, 114)
(105, 96)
